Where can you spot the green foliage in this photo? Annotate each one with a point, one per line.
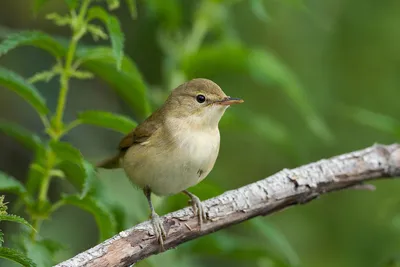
(104, 218)
(10, 184)
(14, 218)
(32, 38)
(197, 39)
(55, 158)
(27, 91)
(16, 256)
(266, 68)
(114, 30)
(108, 120)
(127, 82)
(22, 135)
(7, 253)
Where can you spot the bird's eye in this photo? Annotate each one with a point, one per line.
(200, 98)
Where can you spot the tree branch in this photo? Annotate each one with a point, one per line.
(285, 188)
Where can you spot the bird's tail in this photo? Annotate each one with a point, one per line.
(110, 163)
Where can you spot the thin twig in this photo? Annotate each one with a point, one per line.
(285, 188)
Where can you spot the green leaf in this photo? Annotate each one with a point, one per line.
(10, 184)
(266, 68)
(380, 122)
(82, 177)
(132, 8)
(16, 219)
(27, 91)
(78, 171)
(104, 218)
(32, 38)
(127, 82)
(108, 120)
(22, 135)
(39, 253)
(67, 152)
(114, 31)
(16, 256)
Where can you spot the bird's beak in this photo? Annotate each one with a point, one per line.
(230, 101)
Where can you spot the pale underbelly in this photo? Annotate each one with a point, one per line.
(170, 172)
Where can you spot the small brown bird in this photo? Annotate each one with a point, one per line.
(176, 147)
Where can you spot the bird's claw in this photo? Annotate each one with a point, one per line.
(159, 230)
(198, 209)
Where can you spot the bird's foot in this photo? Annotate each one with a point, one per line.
(198, 208)
(159, 230)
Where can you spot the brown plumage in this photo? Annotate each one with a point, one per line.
(177, 146)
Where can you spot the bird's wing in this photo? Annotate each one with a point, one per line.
(140, 134)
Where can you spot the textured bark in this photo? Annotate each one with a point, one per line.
(285, 188)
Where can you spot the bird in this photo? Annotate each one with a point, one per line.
(176, 147)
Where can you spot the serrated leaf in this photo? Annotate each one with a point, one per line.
(16, 256)
(67, 152)
(82, 177)
(266, 68)
(10, 184)
(32, 38)
(108, 120)
(16, 219)
(104, 218)
(132, 8)
(114, 31)
(127, 82)
(22, 135)
(78, 171)
(28, 92)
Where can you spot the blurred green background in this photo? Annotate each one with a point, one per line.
(319, 78)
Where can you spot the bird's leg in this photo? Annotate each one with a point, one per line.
(197, 207)
(158, 227)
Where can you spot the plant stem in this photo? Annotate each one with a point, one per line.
(65, 75)
(57, 127)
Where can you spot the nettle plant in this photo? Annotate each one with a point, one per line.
(53, 157)
(207, 46)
